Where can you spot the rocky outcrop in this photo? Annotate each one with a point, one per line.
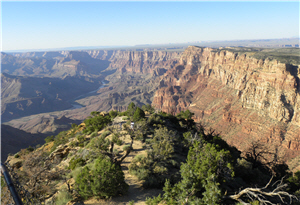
(239, 96)
(88, 63)
(138, 61)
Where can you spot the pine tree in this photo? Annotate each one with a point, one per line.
(138, 114)
(131, 109)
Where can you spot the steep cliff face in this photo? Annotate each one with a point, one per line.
(153, 62)
(241, 97)
(88, 63)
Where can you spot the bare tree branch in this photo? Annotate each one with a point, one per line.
(263, 195)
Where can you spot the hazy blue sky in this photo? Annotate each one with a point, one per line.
(41, 25)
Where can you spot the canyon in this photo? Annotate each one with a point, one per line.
(232, 91)
(243, 98)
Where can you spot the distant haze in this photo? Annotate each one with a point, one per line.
(49, 25)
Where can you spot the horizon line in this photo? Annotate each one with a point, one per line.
(137, 45)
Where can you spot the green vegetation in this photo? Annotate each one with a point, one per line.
(148, 108)
(138, 114)
(113, 114)
(97, 122)
(76, 162)
(156, 167)
(63, 197)
(61, 138)
(283, 55)
(189, 164)
(49, 139)
(103, 180)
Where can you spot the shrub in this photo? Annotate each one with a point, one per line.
(131, 202)
(76, 162)
(131, 109)
(63, 197)
(126, 147)
(123, 114)
(99, 143)
(30, 149)
(73, 144)
(155, 168)
(94, 134)
(49, 139)
(103, 180)
(125, 118)
(113, 114)
(138, 114)
(154, 201)
(148, 108)
(97, 122)
(61, 138)
(105, 134)
(185, 115)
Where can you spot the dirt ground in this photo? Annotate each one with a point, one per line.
(136, 193)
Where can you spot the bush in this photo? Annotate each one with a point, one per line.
(94, 134)
(105, 134)
(156, 167)
(125, 118)
(30, 149)
(126, 147)
(138, 114)
(148, 108)
(96, 123)
(123, 114)
(61, 138)
(103, 180)
(49, 139)
(185, 115)
(131, 109)
(113, 114)
(63, 197)
(76, 162)
(155, 119)
(99, 143)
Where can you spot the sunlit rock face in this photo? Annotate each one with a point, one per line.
(241, 97)
(138, 61)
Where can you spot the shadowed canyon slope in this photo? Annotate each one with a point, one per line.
(243, 98)
(244, 94)
(129, 76)
(24, 96)
(50, 81)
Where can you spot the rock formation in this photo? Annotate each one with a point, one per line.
(243, 98)
(138, 61)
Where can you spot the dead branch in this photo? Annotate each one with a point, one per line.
(263, 195)
(258, 153)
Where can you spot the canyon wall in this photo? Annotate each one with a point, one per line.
(88, 63)
(243, 98)
(138, 61)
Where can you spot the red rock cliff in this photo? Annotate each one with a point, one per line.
(241, 97)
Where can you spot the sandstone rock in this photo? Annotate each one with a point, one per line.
(14, 162)
(241, 97)
(60, 152)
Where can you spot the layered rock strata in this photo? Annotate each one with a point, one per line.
(243, 98)
(138, 61)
